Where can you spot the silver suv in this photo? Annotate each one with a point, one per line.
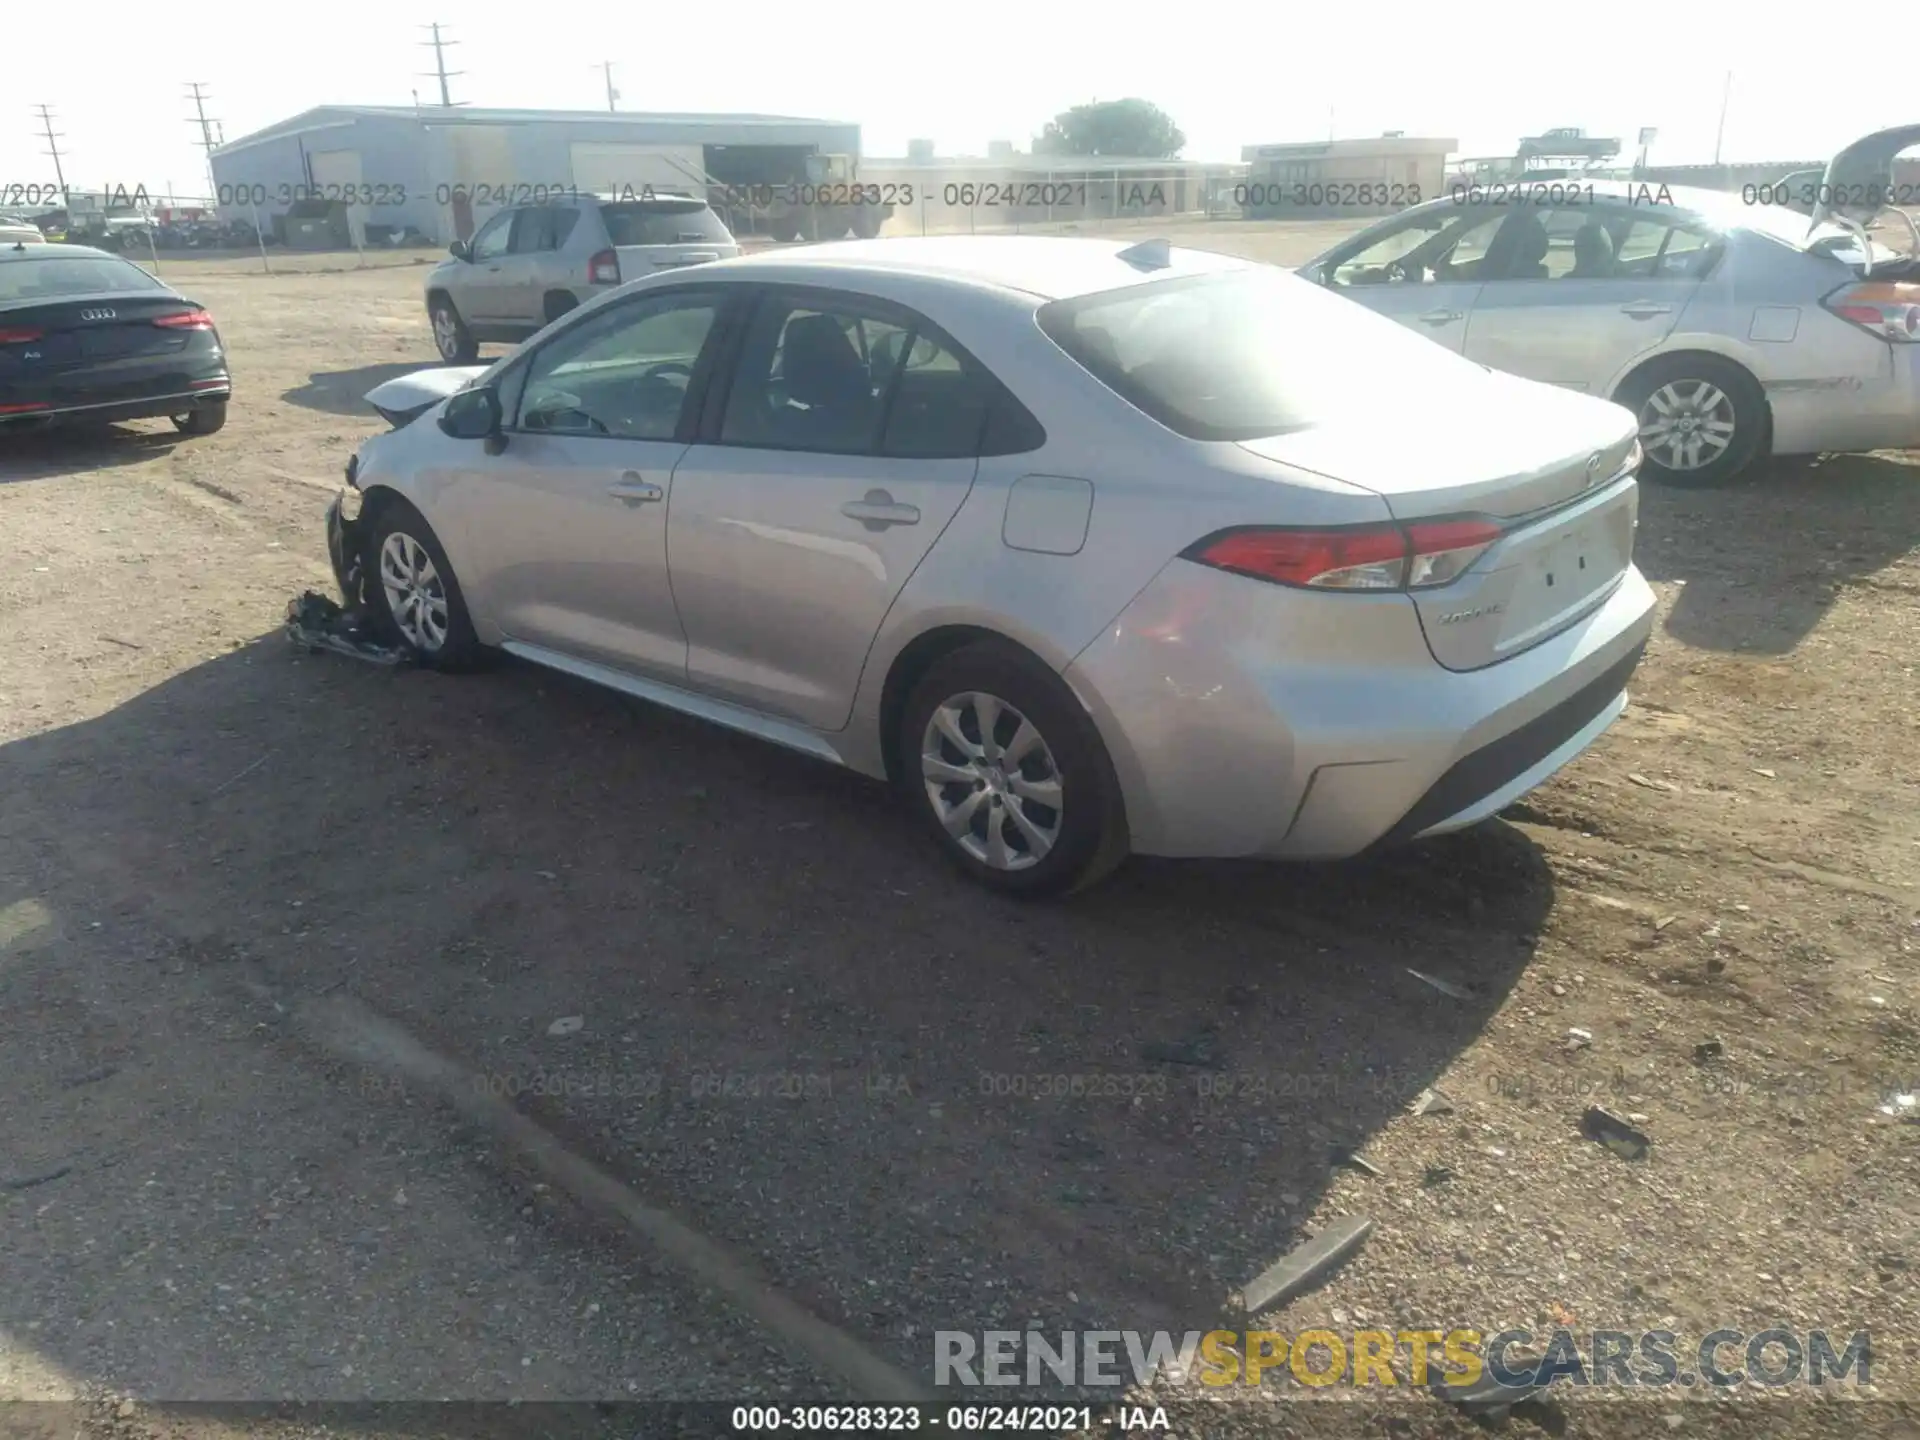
(531, 264)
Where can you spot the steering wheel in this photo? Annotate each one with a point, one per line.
(1405, 272)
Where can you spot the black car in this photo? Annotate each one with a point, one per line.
(87, 337)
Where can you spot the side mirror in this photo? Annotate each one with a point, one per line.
(459, 251)
(472, 414)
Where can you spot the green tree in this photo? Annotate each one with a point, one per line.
(1112, 127)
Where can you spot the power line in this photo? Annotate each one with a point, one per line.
(53, 146)
(612, 94)
(440, 71)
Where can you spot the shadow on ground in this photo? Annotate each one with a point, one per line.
(917, 1105)
(344, 392)
(43, 454)
(1764, 558)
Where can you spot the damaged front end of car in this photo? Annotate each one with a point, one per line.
(353, 625)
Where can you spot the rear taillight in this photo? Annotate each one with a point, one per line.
(24, 409)
(19, 336)
(1885, 310)
(192, 320)
(1365, 557)
(604, 269)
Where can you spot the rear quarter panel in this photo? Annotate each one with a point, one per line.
(1825, 381)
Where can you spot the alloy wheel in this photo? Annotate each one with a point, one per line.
(446, 332)
(992, 781)
(1686, 424)
(416, 596)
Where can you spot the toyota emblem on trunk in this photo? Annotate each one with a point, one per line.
(96, 314)
(1593, 469)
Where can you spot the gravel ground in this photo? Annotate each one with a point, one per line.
(800, 1033)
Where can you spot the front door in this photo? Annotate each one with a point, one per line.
(568, 525)
(481, 298)
(1584, 290)
(849, 439)
(1423, 269)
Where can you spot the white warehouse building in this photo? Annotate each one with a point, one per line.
(371, 173)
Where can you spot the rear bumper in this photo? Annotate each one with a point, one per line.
(162, 402)
(1251, 720)
(1852, 413)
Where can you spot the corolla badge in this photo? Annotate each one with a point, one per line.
(1479, 612)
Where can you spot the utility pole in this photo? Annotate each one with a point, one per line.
(207, 141)
(53, 149)
(1726, 92)
(612, 94)
(440, 70)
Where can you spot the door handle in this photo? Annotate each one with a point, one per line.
(1440, 317)
(1645, 309)
(878, 510)
(635, 491)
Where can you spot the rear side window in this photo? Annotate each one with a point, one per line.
(1246, 353)
(663, 222)
(37, 279)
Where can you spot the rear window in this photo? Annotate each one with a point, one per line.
(1246, 354)
(34, 278)
(663, 222)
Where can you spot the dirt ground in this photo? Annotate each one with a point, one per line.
(1720, 897)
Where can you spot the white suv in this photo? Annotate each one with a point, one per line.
(530, 264)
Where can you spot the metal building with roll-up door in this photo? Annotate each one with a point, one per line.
(437, 172)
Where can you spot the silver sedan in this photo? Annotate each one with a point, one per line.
(1087, 548)
(1733, 330)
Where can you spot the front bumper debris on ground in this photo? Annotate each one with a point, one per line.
(320, 623)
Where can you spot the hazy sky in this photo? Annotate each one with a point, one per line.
(1230, 73)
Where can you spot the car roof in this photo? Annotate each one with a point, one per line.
(1050, 267)
(40, 250)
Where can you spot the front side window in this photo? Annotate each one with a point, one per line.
(1432, 245)
(491, 242)
(625, 372)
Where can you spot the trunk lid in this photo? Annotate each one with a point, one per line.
(1550, 466)
(665, 233)
(76, 333)
(1858, 183)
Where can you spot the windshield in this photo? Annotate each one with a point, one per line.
(34, 278)
(663, 222)
(1246, 353)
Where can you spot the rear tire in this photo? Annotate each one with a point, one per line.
(1005, 769)
(558, 303)
(202, 419)
(411, 586)
(1703, 420)
(450, 334)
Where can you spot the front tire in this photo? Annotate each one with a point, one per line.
(202, 419)
(450, 334)
(1006, 770)
(413, 590)
(1703, 420)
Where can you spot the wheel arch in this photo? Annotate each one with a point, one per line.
(913, 660)
(1723, 352)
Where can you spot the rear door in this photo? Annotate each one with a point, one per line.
(664, 234)
(846, 440)
(1582, 290)
(1423, 269)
